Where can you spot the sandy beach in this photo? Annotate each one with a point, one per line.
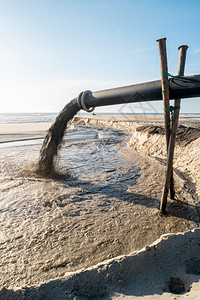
(22, 131)
(95, 230)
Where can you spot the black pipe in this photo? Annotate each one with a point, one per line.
(179, 87)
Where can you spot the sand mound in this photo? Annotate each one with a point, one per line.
(169, 266)
(150, 140)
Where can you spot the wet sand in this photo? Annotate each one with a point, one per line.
(22, 131)
(105, 204)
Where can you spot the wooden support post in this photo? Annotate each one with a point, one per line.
(166, 103)
(169, 170)
(165, 86)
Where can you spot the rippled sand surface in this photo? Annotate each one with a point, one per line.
(102, 203)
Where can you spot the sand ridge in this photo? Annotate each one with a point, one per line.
(151, 273)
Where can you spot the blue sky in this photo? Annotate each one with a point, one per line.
(51, 50)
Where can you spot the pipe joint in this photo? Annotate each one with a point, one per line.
(81, 101)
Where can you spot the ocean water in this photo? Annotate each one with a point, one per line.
(6, 118)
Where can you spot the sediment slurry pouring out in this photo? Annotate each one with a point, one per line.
(53, 138)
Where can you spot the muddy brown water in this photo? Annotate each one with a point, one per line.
(54, 137)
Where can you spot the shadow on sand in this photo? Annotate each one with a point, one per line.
(176, 208)
(165, 271)
(172, 271)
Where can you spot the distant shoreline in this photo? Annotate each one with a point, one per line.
(20, 131)
(15, 118)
